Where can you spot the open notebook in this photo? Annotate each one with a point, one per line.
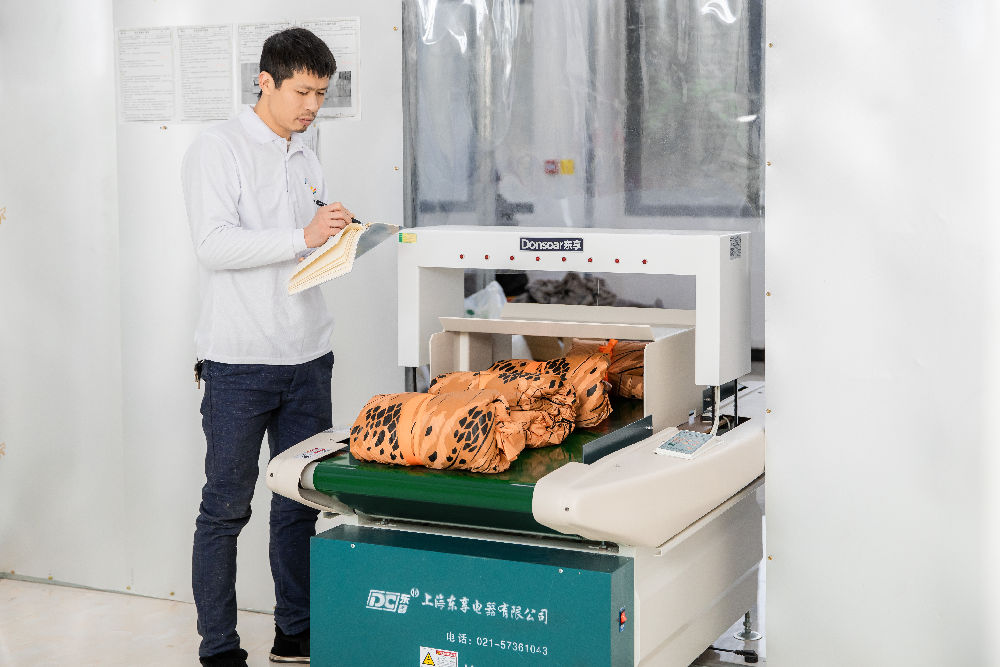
(336, 257)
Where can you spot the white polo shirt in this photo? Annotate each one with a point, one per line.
(249, 193)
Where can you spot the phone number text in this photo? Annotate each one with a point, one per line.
(514, 646)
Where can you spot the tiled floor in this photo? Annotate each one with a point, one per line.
(43, 624)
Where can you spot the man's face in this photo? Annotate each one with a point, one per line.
(293, 106)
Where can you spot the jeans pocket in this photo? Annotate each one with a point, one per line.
(220, 370)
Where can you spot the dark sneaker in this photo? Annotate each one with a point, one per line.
(290, 648)
(234, 658)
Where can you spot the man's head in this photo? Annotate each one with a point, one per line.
(295, 71)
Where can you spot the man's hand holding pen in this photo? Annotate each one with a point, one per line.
(328, 221)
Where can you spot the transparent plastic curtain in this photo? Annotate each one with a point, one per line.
(583, 113)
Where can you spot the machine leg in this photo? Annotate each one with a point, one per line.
(748, 635)
(736, 403)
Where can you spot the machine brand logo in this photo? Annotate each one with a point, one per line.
(561, 244)
(396, 603)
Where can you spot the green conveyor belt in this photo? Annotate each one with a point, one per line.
(501, 501)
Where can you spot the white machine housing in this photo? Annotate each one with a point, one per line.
(432, 260)
(670, 391)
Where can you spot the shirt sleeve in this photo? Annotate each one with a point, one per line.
(211, 183)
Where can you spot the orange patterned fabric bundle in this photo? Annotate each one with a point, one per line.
(584, 371)
(467, 430)
(625, 370)
(543, 402)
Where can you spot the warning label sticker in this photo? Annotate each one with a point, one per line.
(437, 657)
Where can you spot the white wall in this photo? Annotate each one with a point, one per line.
(882, 330)
(103, 464)
(62, 509)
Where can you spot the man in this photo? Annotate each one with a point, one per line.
(250, 186)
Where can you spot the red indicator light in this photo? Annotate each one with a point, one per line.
(564, 259)
(461, 256)
(538, 259)
(512, 258)
(617, 260)
(643, 261)
(486, 256)
(590, 259)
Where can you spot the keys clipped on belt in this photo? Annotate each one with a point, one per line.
(197, 371)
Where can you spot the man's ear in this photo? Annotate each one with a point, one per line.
(266, 82)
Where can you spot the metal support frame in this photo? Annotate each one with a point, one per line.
(748, 634)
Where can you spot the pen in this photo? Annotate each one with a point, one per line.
(319, 203)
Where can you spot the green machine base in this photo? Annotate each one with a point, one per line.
(390, 598)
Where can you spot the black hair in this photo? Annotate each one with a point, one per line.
(296, 50)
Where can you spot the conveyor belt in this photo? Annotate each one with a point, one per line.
(501, 501)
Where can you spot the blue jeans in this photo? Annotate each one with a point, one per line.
(241, 402)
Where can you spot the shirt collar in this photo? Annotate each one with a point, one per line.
(260, 132)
